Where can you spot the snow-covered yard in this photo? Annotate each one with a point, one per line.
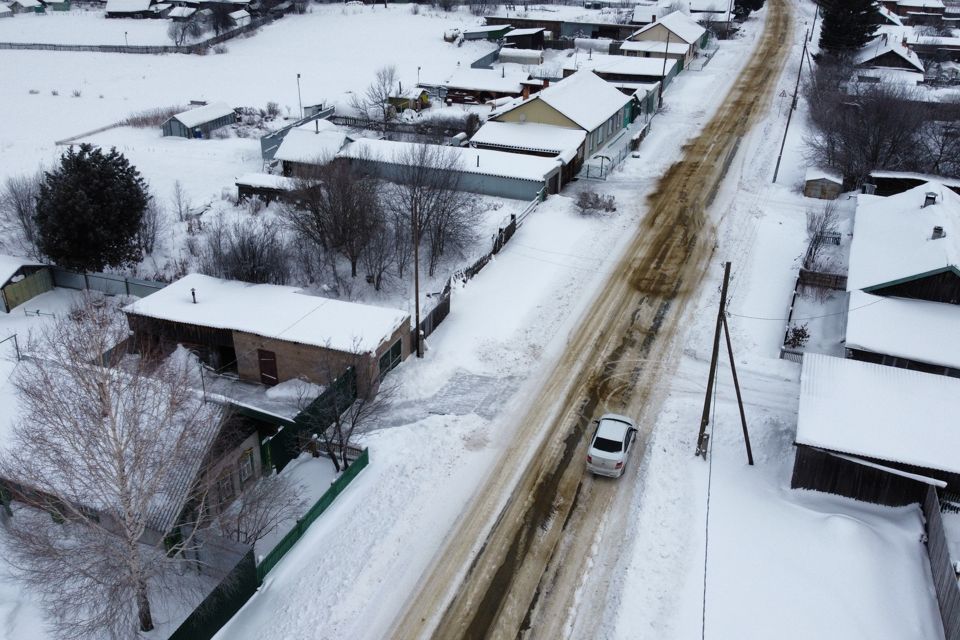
(81, 26)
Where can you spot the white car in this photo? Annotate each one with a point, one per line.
(611, 445)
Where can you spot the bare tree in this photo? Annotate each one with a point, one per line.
(380, 252)
(250, 250)
(183, 30)
(180, 202)
(261, 508)
(110, 453)
(821, 224)
(18, 208)
(355, 405)
(859, 127)
(338, 208)
(152, 225)
(374, 102)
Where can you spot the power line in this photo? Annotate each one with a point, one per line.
(825, 315)
(706, 526)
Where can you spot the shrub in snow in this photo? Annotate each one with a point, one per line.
(250, 251)
(797, 336)
(220, 48)
(273, 109)
(591, 201)
(54, 92)
(34, 92)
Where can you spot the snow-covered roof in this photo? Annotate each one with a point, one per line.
(9, 265)
(652, 46)
(883, 44)
(905, 328)
(679, 24)
(925, 177)
(33, 4)
(120, 6)
(530, 56)
(181, 12)
(643, 13)
(523, 32)
(583, 98)
(486, 28)
(266, 181)
(308, 145)
(890, 16)
(496, 81)
(272, 311)
(479, 161)
(814, 173)
(886, 75)
(530, 136)
(240, 14)
(699, 6)
(921, 4)
(200, 115)
(4, 9)
(621, 65)
(879, 412)
(892, 237)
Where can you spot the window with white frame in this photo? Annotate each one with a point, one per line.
(246, 466)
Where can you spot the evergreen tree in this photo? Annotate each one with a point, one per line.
(89, 210)
(847, 24)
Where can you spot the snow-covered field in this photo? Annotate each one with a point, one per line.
(81, 26)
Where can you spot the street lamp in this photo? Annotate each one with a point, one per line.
(299, 99)
(418, 76)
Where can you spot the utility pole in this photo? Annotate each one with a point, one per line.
(299, 99)
(813, 27)
(703, 438)
(666, 55)
(793, 106)
(415, 222)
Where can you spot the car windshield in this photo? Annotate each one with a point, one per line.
(610, 446)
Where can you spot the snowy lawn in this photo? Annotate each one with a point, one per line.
(80, 26)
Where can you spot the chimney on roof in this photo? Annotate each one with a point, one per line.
(526, 91)
(546, 83)
(929, 199)
(938, 233)
(193, 294)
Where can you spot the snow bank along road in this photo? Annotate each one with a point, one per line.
(492, 577)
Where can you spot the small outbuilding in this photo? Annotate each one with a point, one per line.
(521, 56)
(825, 185)
(241, 17)
(5, 11)
(263, 186)
(535, 139)
(309, 146)
(200, 122)
(21, 280)
(181, 14)
(415, 98)
(271, 333)
(487, 32)
(525, 38)
(26, 6)
(128, 8)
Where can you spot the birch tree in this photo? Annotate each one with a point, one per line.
(111, 452)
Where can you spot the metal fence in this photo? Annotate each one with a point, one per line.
(319, 414)
(141, 49)
(294, 535)
(110, 284)
(223, 602)
(941, 566)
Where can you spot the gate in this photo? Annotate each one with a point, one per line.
(33, 285)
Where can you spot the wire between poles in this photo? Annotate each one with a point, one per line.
(706, 528)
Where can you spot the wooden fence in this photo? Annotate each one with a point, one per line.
(822, 280)
(199, 47)
(941, 566)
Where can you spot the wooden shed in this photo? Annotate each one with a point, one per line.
(201, 121)
(21, 280)
(525, 38)
(822, 184)
(875, 433)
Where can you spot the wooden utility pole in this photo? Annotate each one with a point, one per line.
(703, 438)
(705, 417)
(666, 56)
(793, 106)
(415, 221)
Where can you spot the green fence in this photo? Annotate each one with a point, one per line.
(272, 558)
(222, 603)
(319, 414)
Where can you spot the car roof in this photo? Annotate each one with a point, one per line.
(613, 427)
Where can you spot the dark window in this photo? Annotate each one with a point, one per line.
(611, 446)
(391, 358)
(225, 488)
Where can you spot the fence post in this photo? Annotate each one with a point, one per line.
(126, 285)
(86, 282)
